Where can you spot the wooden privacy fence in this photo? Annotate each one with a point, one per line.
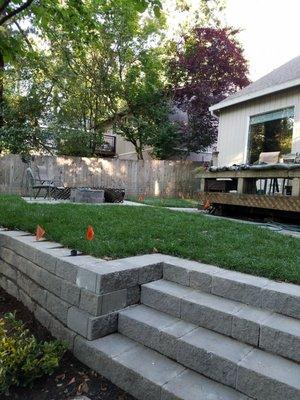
(151, 177)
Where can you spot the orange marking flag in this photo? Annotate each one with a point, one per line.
(39, 233)
(90, 233)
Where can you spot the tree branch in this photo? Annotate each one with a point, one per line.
(16, 11)
(4, 5)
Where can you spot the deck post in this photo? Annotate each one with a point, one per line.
(241, 185)
(296, 187)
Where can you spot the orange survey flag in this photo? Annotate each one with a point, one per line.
(39, 233)
(90, 233)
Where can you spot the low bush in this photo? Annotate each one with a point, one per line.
(22, 358)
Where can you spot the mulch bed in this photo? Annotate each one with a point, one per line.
(70, 379)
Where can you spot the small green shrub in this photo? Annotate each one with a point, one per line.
(22, 358)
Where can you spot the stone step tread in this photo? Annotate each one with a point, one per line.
(281, 297)
(274, 332)
(146, 374)
(209, 353)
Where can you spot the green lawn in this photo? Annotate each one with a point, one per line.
(122, 231)
(165, 201)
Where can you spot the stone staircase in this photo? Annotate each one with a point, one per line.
(202, 333)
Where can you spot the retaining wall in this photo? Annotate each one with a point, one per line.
(71, 295)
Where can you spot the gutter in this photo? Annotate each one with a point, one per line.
(254, 95)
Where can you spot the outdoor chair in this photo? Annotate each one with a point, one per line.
(40, 181)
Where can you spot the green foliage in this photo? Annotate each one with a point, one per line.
(22, 358)
(129, 231)
(77, 143)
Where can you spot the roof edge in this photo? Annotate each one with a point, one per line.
(254, 95)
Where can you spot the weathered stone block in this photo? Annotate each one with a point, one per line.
(133, 295)
(246, 324)
(8, 271)
(57, 307)
(176, 274)
(212, 355)
(90, 302)
(102, 326)
(61, 332)
(78, 321)
(283, 298)
(281, 335)
(66, 269)
(209, 311)
(70, 293)
(264, 376)
(191, 386)
(50, 282)
(43, 316)
(114, 301)
(27, 301)
(150, 273)
(240, 287)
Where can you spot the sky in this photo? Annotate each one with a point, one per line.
(271, 31)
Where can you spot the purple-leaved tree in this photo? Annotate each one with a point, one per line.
(207, 66)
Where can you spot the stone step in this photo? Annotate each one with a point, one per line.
(146, 374)
(253, 372)
(252, 325)
(279, 297)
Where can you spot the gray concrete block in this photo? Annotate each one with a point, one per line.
(12, 289)
(90, 302)
(283, 298)
(246, 324)
(43, 316)
(89, 277)
(102, 326)
(57, 307)
(38, 294)
(133, 295)
(264, 376)
(45, 260)
(191, 386)
(211, 354)
(143, 325)
(164, 296)
(24, 283)
(240, 287)
(70, 293)
(149, 273)
(7, 270)
(142, 372)
(176, 274)
(209, 311)
(99, 354)
(116, 279)
(281, 335)
(50, 282)
(61, 332)
(114, 301)
(78, 321)
(7, 255)
(169, 335)
(66, 269)
(27, 301)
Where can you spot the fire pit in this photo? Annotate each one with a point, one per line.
(87, 195)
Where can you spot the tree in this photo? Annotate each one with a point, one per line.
(206, 66)
(89, 47)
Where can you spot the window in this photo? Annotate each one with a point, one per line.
(272, 131)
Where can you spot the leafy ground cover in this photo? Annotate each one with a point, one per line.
(122, 231)
(70, 379)
(164, 201)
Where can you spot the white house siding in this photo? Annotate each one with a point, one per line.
(234, 124)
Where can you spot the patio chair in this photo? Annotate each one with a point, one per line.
(40, 181)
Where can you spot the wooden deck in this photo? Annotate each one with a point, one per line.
(246, 189)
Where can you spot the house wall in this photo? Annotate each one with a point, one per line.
(234, 124)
